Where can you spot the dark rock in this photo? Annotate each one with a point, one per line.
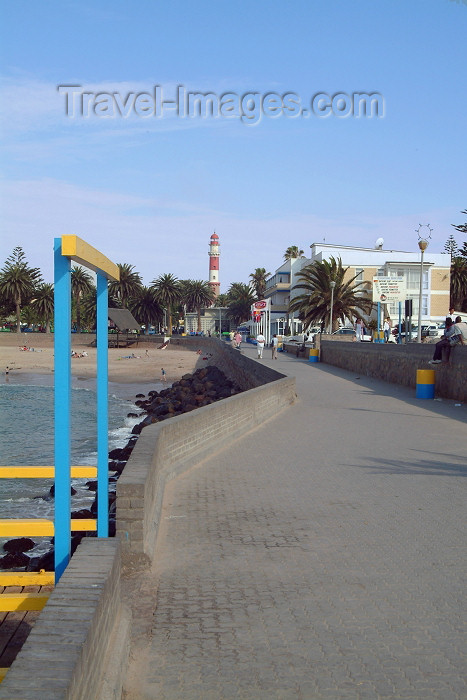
(52, 492)
(22, 544)
(45, 561)
(83, 514)
(14, 561)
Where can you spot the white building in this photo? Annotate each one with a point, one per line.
(366, 263)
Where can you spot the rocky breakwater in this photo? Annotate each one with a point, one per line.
(203, 387)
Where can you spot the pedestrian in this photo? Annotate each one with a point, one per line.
(163, 375)
(451, 314)
(274, 347)
(359, 329)
(387, 329)
(443, 346)
(260, 340)
(238, 340)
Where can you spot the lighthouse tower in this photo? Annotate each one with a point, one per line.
(214, 264)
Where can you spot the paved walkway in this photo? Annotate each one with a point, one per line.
(322, 556)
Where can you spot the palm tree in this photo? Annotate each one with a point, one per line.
(293, 252)
(43, 304)
(89, 307)
(258, 281)
(128, 286)
(81, 283)
(196, 295)
(314, 304)
(168, 292)
(240, 298)
(18, 281)
(221, 300)
(145, 307)
(458, 282)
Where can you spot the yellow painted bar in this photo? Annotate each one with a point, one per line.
(83, 525)
(3, 673)
(44, 472)
(26, 527)
(27, 578)
(81, 252)
(425, 376)
(30, 527)
(11, 602)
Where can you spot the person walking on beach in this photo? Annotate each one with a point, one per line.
(163, 375)
(274, 347)
(260, 340)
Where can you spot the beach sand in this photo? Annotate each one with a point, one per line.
(131, 375)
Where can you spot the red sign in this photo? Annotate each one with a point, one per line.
(260, 304)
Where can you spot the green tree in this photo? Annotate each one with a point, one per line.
(168, 293)
(350, 300)
(81, 283)
(221, 300)
(451, 246)
(128, 285)
(458, 290)
(240, 298)
(18, 282)
(196, 295)
(461, 227)
(292, 252)
(146, 308)
(258, 281)
(89, 307)
(43, 304)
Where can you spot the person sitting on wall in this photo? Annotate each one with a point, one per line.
(443, 346)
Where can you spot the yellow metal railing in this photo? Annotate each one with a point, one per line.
(39, 527)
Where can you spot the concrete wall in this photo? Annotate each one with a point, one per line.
(78, 648)
(70, 652)
(399, 363)
(164, 450)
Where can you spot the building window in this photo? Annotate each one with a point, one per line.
(359, 274)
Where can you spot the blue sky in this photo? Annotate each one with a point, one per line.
(150, 191)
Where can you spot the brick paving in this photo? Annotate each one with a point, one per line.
(322, 556)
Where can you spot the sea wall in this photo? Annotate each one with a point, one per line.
(78, 647)
(165, 450)
(399, 364)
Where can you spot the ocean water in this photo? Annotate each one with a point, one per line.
(27, 439)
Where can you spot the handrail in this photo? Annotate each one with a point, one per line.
(41, 527)
(27, 472)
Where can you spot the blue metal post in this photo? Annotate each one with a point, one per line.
(62, 404)
(378, 340)
(102, 408)
(399, 339)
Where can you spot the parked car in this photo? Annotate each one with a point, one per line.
(367, 337)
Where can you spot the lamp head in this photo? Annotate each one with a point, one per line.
(423, 244)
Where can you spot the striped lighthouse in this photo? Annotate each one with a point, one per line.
(214, 264)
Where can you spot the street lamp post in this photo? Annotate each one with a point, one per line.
(333, 284)
(423, 245)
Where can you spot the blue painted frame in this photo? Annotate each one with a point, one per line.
(62, 400)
